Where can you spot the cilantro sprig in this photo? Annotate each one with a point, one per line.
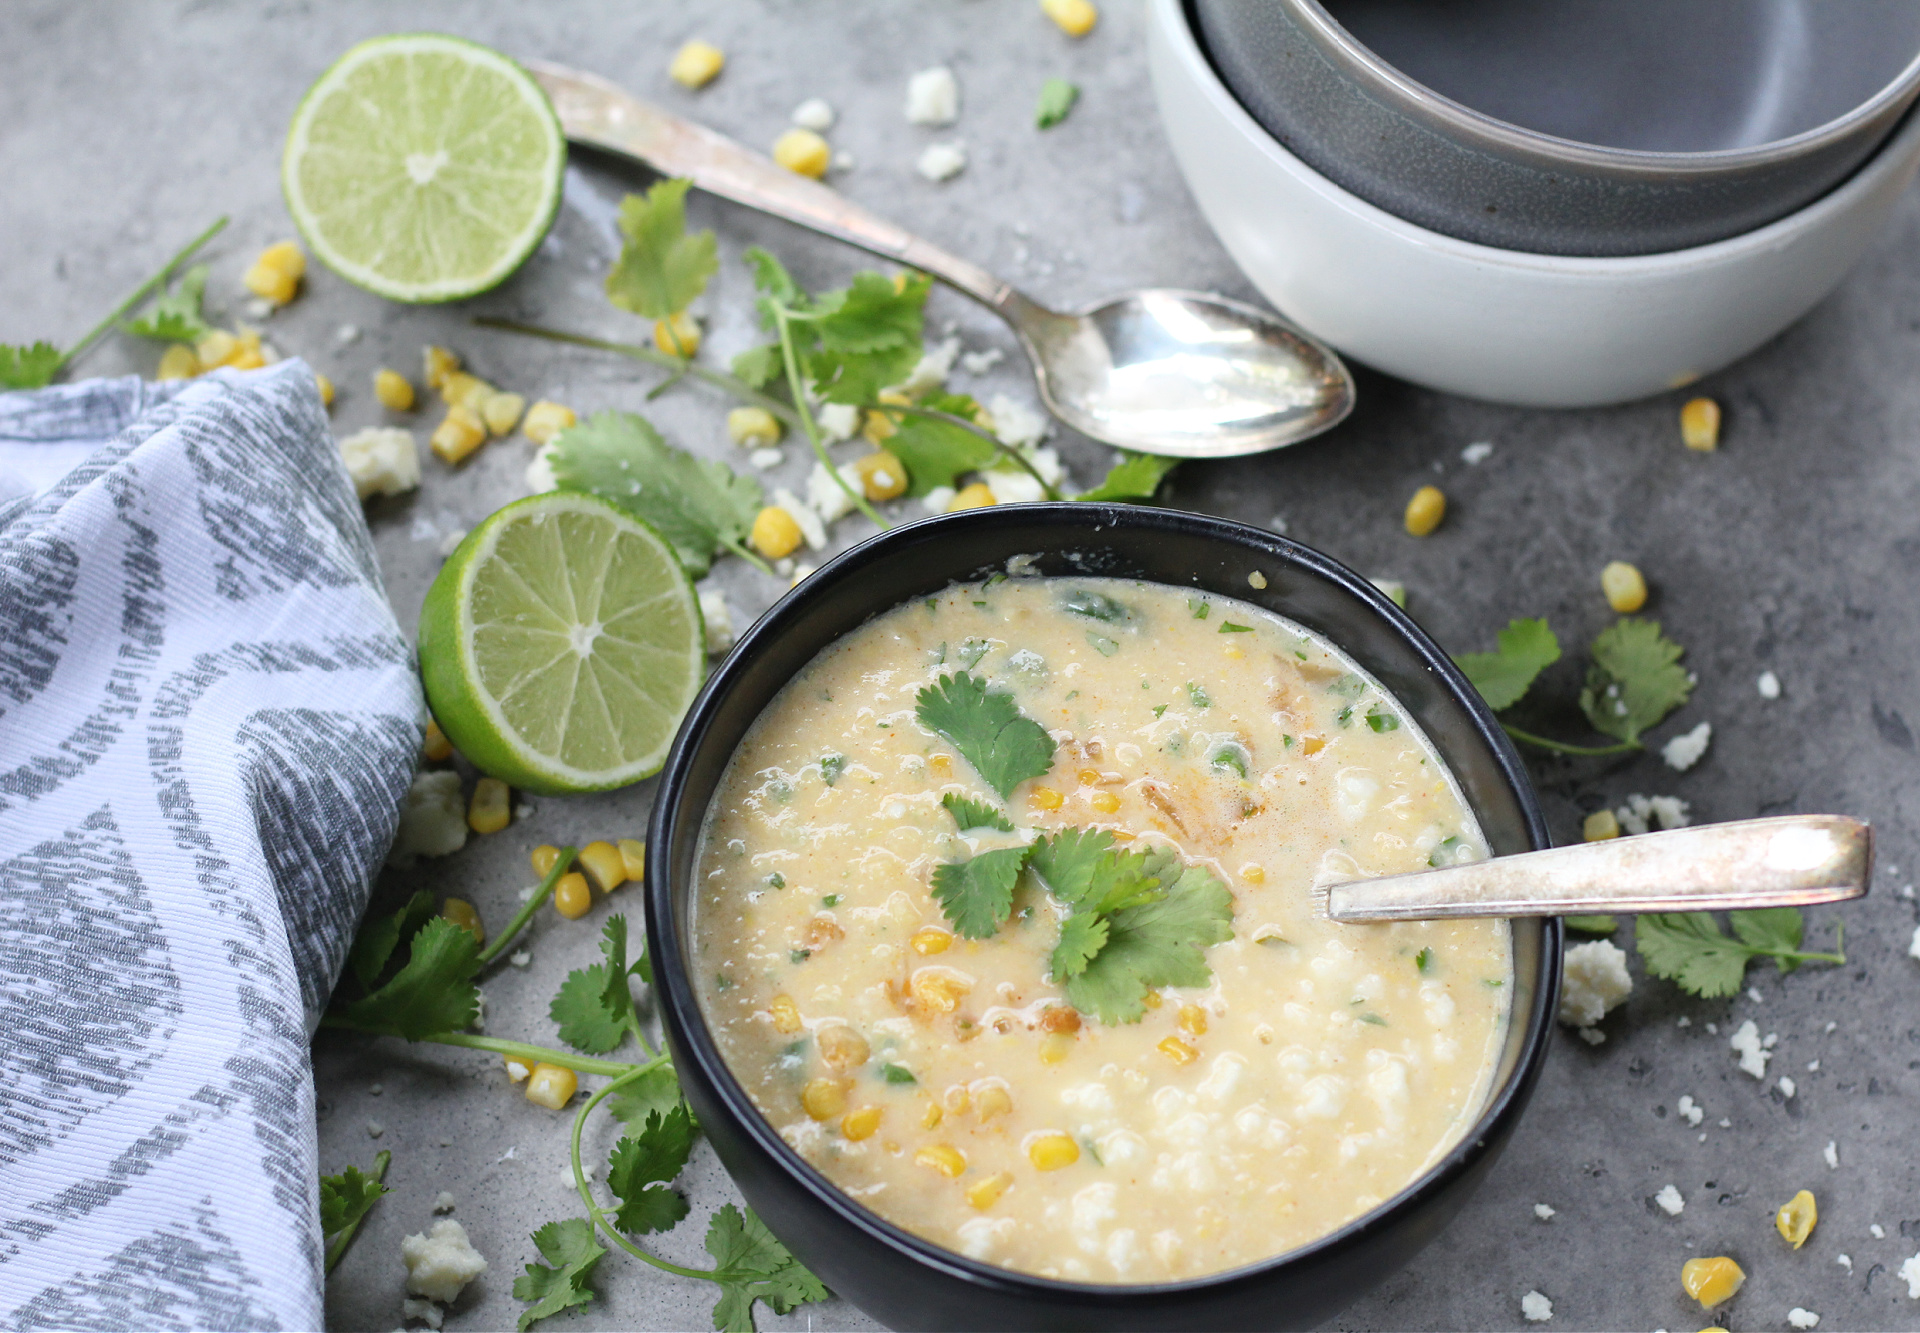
(661, 268)
(986, 726)
(1690, 949)
(175, 316)
(345, 1199)
(1633, 682)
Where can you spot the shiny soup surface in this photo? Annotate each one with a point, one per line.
(1119, 1048)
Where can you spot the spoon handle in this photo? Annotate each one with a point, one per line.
(595, 112)
(1788, 861)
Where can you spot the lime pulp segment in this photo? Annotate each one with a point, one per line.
(423, 167)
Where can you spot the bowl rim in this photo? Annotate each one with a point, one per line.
(1548, 151)
(1175, 26)
(680, 1007)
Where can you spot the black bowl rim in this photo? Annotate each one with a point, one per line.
(680, 1006)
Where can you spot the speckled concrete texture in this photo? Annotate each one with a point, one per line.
(124, 128)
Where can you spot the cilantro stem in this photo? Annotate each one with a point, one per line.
(528, 908)
(719, 379)
(1046, 487)
(1561, 747)
(747, 554)
(594, 1210)
(783, 321)
(580, 1064)
(140, 294)
(337, 1250)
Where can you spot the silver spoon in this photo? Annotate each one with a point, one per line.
(1787, 861)
(1162, 371)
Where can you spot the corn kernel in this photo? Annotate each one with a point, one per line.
(1796, 1218)
(546, 419)
(1088, 776)
(841, 1048)
(940, 763)
(861, 1124)
(572, 898)
(270, 284)
(1075, 17)
(1050, 1152)
(466, 916)
(179, 363)
(1425, 510)
(603, 866)
(696, 64)
(803, 152)
(1060, 1018)
(437, 747)
(543, 858)
(991, 1101)
(488, 812)
(930, 940)
(247, 358)
(1055, 1047)
(1046, 798)
(1177, 1051)
(957, 1099)
(438, 363)
(1599, 826)
(458, 434)
(502, 412)
(1711, 1281)
(633, 858)
(938, 990)
(986, 1193)
(216, 348)
(775, 534)
(882, 476)
(677, 335)
(1253, 873)
(1104, 801)
(1700, 425)
(459, 389)
(552, 1086)
(1153, 999)
(786, 1015)
(877, 427)
(1193, 1020)
(948, 1160)
(325, 386)
(394, 390)
(931, 1115)
(824, 1098)
(517, 1069)
(285, 257)
(1625, 588)
(977, 496)
(753, 427)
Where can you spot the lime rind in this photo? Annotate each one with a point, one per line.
(357, 177)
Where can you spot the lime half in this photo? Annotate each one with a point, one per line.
(424, 167)
(561, 645)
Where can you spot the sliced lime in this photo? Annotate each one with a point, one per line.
(423, 167)
(561, 645)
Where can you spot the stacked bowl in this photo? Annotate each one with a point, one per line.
(1555, 206)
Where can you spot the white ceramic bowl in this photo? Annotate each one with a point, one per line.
(1503, 325)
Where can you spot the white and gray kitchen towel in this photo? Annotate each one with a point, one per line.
(208, 718)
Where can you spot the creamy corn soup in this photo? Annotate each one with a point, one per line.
(1003, 921)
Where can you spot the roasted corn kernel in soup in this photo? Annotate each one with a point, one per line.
(1003, 921)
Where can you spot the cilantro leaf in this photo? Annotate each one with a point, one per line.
(1069, 860)
(642, 1169)
(1155, 943)
(775, 285)
(573, 1252)
(657, 1090)
(1082, 935)
(345, 1199)
(1057, 97)
(1134, 477)
(865, 338)
(936, 452)
(977, 894)
(970, 814)
(581, 1014)
(1527, 647)
(700, 506)
(757, 367)
(661, 269)
(175, 316)
(29, 367)
(1776, 931)
(1635, 680)
(750, 1265)
(380, 935)
(1689, 948)
(432, 994)
(987, 727)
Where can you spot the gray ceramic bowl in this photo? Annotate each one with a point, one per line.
(1580, 127)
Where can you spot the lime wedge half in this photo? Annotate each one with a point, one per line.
(423, 167)
(561, 645)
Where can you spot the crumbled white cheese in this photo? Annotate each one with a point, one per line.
(931, 371)
(979, 363)
(1913, 947)
(1753, 1056)
(415, 1308)
(1395, 590)
(1787, 1086)
(259, 308)
(1684, 1022)
(441, 1262)
(1831, 1155)
(1800, 1318)
(784, 566)
(443, 1202)
(1593, 1036)
(520, 958)
(933, 97)
(1769, 685)
(1813, 1066)
(1478, 452)
(1594, 980)
(837, 421)
(1537, 1308)
(345, 334)
(842, 160)
(1017, 424)
(1879, 1232)
(719, 620)
(517, 1072)
(376, 1088)
(937, 500)
(1753, 993)
(1690, 1109)
(375, 1129)
(801, 573)
(765, 460)
(827, 497)
(1013, 486)
(450, 541)
(382, 460)
(1278, 523)
(1684, 750)
(433, 819)
(540, 478)
(1845, 1261)
(1643, 812)
(1724, 1123)
(1543, 1212)
(811, 528)
(942, 161)
(814, 114)
(1670, 1201)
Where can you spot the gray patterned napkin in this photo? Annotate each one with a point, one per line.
(208, 719)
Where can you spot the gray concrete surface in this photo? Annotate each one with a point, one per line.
(125, 127)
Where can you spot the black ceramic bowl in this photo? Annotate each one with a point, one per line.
(908, 1282)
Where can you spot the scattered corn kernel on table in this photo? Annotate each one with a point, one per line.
(1783, 560)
